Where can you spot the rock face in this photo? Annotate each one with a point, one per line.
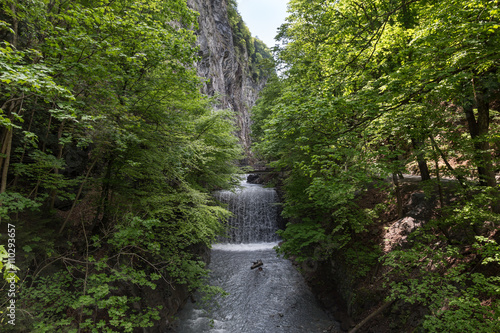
(226, 73)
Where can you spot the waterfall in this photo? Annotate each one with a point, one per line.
(254, 217)
(271, 299)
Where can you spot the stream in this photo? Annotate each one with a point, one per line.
(271, 299)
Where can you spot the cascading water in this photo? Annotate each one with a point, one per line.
(254, 217)
(273, 299)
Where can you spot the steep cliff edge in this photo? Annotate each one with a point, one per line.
(231, 61)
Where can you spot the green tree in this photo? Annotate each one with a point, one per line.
(101, 108)
(365, 90)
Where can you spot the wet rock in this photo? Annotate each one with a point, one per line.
(254, 179)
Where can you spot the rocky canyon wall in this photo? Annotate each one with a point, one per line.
(227, 71)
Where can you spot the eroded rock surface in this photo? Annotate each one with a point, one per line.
(226, 72)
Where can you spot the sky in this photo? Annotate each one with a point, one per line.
(263, 17)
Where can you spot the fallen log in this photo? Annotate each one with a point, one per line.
(372, 315)
(256, 264)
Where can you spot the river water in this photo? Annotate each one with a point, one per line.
(272, 299)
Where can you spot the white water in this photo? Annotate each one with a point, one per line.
(272, 300)
(255, 214)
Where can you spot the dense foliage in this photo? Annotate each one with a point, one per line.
(106, 137)
(370, 90)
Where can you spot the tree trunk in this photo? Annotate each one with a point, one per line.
(15, 25)
(460, 178)
(44, 144)
(6, 149)
(77, 196)
(21, 159)
(478, 129)
(399, 195)
(3, 148)
(53, 193)
(6, 161)
(422, 163)
(102, 209)
(438, 177)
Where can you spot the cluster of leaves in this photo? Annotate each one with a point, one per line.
(368, 91)
(100, 102)
(98, 308)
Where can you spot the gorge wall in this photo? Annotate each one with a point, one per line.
(226, 67)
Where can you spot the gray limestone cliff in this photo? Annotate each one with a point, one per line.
(226, 69)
